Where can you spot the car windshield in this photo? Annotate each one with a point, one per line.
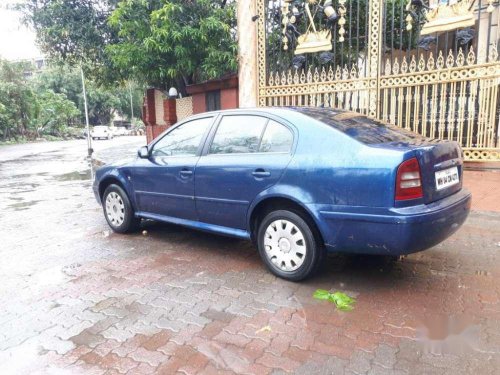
(360, 127)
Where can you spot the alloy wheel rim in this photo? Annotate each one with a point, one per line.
(285, 245)
(115, 209)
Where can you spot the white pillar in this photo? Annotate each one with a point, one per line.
(247, 53)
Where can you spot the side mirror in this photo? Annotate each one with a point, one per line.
(143, 152)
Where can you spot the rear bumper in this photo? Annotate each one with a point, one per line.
(395, 231)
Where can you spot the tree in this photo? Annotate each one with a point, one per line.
(155, 42)
(16, 99)
(123, 94)
(61, 80)
(199, 36)
(103, 101)
(74, 32)
(34, 104)
(174, 42)
(54, 113)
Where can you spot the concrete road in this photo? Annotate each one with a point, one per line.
(76, 298)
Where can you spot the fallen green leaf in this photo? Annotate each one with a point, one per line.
(341, 300)
(322, 294)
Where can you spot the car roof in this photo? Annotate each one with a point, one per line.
(274, 110)
(355, 125)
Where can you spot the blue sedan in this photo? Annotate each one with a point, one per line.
(297, 181)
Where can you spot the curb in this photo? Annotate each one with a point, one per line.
(97, 162)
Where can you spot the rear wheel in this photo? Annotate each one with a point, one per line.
(118, 211)
(288, 246)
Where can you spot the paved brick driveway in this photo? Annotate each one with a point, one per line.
(75, 298)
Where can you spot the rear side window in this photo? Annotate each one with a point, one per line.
(276, 138)
(360, 127)
(238, 135)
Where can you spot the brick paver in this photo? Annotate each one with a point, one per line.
(485, 188)
(76, 298)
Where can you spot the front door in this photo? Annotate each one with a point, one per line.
(164, 183)
(248, 155)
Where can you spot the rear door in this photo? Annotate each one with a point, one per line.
(247, 155)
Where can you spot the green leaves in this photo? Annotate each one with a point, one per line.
(322, 294)
(341, 300)
(50, 101)
(174, 41)
(73, 31)
(154, 42)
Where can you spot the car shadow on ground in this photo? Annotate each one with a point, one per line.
(374, 270)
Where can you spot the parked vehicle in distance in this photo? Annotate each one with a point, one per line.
(101, 132)
(138, 130)
(120, 131)
(297, 181)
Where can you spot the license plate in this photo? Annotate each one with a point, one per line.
(446, 178)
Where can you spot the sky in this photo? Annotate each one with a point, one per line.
(16, 41)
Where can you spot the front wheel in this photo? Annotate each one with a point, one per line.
(118, 211)
(288, 246)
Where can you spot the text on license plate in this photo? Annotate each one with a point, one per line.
(446, 178)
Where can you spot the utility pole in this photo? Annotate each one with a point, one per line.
(89, 138)
(131, 103)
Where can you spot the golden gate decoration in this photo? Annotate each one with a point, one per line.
(451, 95)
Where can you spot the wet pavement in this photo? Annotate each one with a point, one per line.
(76, 298)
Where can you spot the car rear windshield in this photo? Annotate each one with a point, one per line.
(362, 128)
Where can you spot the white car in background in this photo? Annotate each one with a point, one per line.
(101, 132)
(120, 130)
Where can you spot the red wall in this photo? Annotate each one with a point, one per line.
(229, 98)
(199, 104)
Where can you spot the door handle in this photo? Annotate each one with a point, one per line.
(186, 173)
(260, 173)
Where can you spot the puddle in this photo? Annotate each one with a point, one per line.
(15, 185)
(75, 176)
(51, 276)
(26, 175)
(16, 198)
(22, 205)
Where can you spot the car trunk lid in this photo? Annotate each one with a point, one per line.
(441, 166)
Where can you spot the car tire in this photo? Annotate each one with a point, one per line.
(289, 245)
(118, 210)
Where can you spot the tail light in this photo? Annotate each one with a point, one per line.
(409, 181)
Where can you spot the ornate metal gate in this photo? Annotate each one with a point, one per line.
(431, 68)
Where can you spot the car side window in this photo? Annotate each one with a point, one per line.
(276, 138)
(238, 135)
(183, 140)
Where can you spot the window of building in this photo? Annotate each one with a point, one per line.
(213, 100)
